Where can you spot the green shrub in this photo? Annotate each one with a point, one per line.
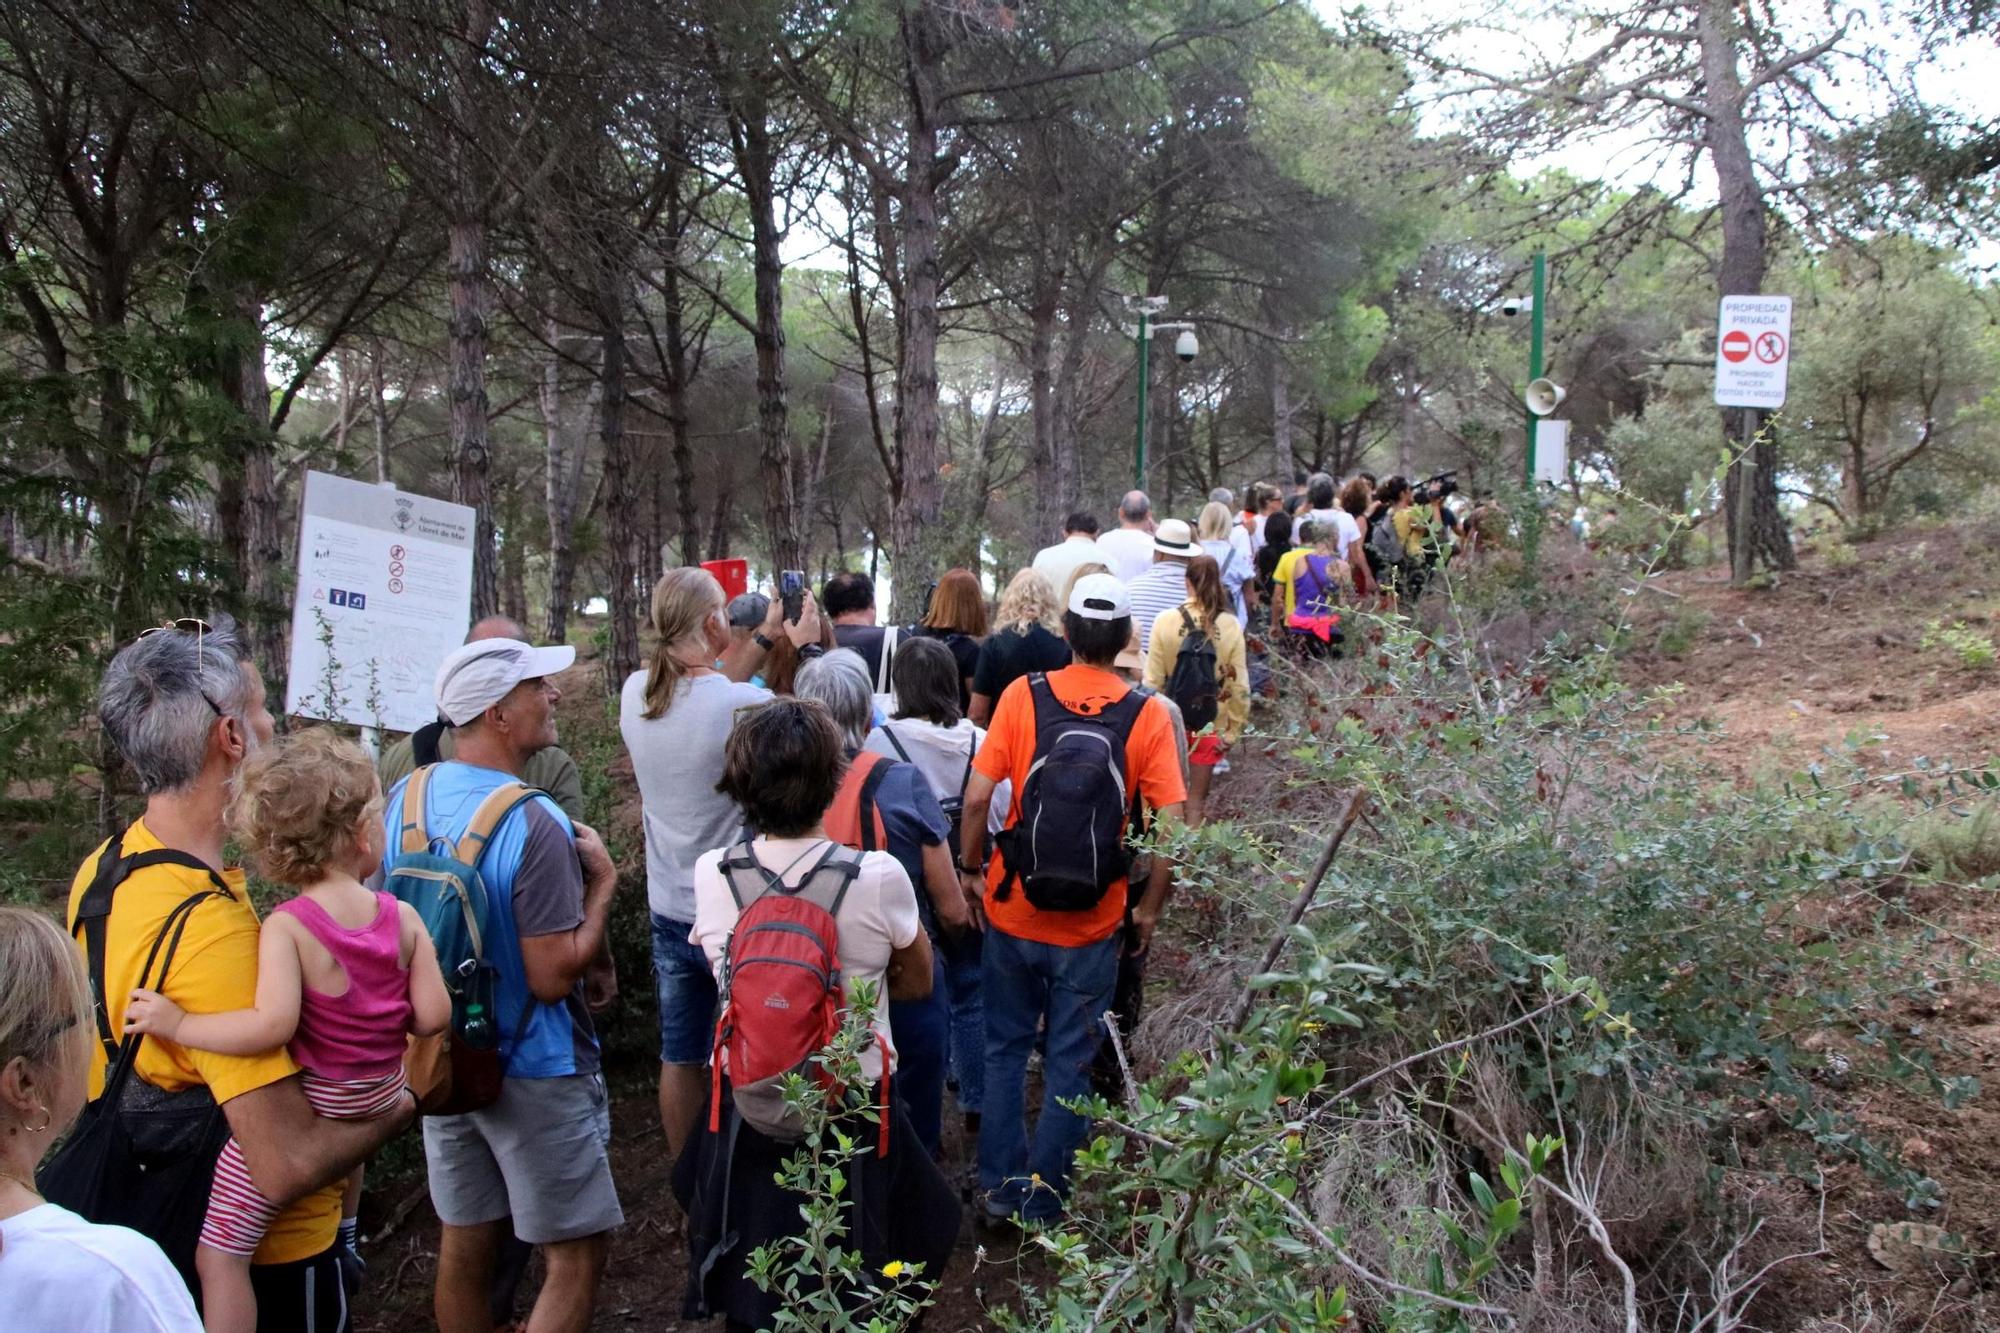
(1522, 827)
(1973, 648)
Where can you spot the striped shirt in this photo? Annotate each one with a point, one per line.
(1159, 590)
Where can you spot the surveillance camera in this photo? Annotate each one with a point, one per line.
(1517, 305)
(1186, 347)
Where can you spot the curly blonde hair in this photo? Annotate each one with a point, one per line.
(1030, 599)
(298, 802)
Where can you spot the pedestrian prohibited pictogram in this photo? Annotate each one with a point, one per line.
(1753, 351)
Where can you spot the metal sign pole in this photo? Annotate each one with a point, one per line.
(1539, 296)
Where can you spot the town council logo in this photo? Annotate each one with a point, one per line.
(402, 517)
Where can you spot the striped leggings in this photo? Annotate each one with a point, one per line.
(238, 1216)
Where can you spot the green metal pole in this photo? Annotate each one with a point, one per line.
(1538, 295)
(1139, 473)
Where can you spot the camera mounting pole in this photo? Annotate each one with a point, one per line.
(1535, 347)
(1147, 307)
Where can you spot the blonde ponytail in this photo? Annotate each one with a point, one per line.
(684, 600)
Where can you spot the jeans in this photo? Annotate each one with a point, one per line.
(921, 1030)
(1027, 982)
(966, 993)
(685, 986)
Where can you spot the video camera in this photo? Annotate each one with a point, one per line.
(1435, 487)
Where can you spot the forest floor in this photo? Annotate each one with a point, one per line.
(1833, 656)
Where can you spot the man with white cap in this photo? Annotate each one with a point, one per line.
(1074, 743)
(1163, 586)
(537, 1159)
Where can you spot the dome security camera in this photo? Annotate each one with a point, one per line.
(1186, 347)
(1517, 305)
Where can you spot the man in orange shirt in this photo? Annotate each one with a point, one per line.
(1080, 747)
(185, 706)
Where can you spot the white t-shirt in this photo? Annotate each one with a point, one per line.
(1343, 523)
(1126, 552)
(677, 760)
(940, 754)
(65, 1275)
(878, 916)
(1056, 563)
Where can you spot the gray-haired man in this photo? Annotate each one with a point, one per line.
(185, 706)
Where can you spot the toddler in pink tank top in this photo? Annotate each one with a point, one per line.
(344, 975)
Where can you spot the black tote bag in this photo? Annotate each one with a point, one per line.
(139, 1157)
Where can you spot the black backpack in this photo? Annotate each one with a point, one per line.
(953, 806)
(139, 1157)
(1067, 845)
(1193, 684)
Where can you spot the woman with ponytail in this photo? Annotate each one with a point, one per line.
(675, 716)
(1216, 706)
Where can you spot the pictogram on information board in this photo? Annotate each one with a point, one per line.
(384, 595)
(1753, 351)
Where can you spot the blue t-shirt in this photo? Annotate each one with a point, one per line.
(530, 864)
(914, 820)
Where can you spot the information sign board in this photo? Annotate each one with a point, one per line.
(384, 595)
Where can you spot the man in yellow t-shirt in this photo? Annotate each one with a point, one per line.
(185, 706)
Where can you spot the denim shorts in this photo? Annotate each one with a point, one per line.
(686, 989)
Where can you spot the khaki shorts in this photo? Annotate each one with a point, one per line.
(541, 1155)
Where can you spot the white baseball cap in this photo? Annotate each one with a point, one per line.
(1174, 537)
(480, 674)
(1099, 597)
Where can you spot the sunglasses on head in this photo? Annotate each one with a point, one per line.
(188, 625)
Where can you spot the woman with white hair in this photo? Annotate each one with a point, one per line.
(57, 1270)
(884, 805)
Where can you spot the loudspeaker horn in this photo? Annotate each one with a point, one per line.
(1543, 396)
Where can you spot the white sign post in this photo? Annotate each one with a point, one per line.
(384, 595)
(1551, 451)
(1753, 351)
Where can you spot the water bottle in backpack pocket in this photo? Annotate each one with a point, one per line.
(460, 1069)
(1066, 846)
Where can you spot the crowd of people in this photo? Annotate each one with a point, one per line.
(947, 822)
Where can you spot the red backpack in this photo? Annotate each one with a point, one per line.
(782, 992)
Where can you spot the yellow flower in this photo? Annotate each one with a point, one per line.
(894, 1268)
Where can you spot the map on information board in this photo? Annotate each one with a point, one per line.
(384, 595)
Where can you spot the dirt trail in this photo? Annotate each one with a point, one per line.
(1835, 653)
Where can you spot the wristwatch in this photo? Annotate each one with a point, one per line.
(757, 637)
(964, 869)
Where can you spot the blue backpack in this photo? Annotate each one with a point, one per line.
(460, 1069)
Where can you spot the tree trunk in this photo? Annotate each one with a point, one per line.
(562, 480)
(266, 583)
(378, 403)
(918, 534)
(467, 281)
(620, 500)
(466, 381)
(1047, 462)
(756, 166)
(1757, 531)
(513, 562)
(1282, 457)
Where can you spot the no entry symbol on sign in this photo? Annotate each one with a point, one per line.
(1770, 348)
(1736, 346)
